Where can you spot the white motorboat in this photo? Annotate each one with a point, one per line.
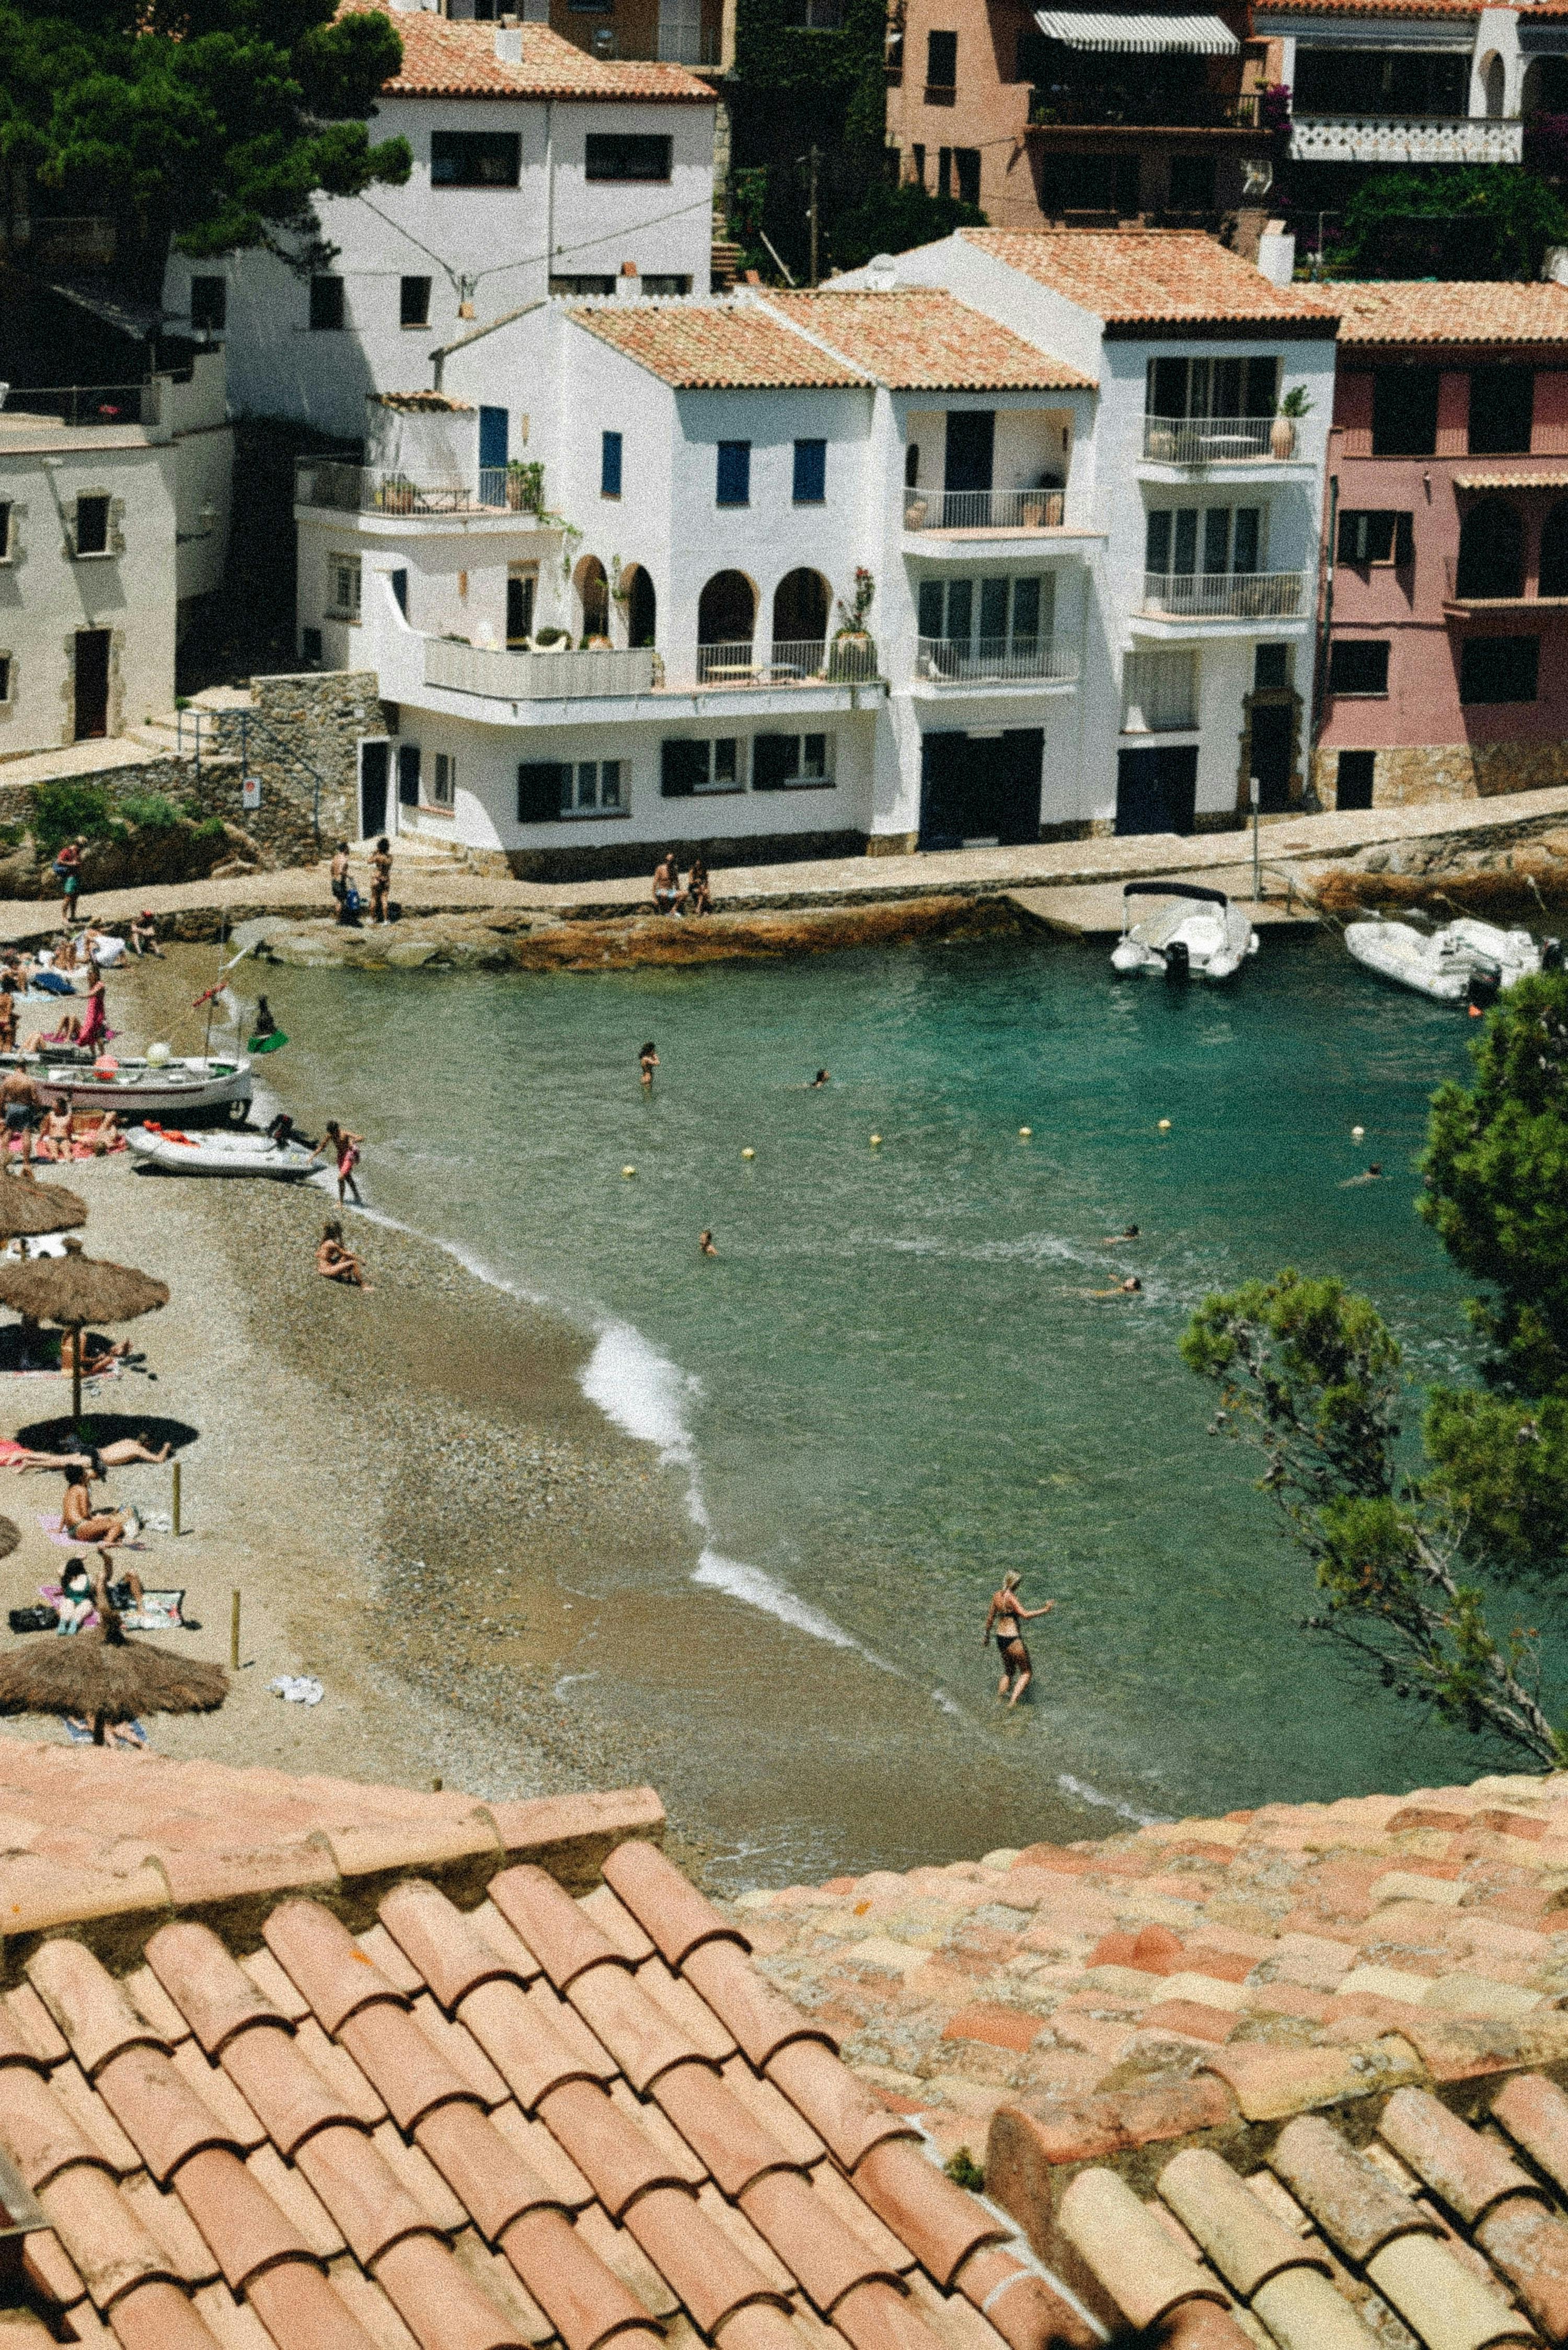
(246, 1153)
(1201, 936)
(1466, 961)
(184, 1092)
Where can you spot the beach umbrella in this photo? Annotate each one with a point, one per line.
(29, 1208)
(10, 1535)
(73, 1291)
(107, 1677)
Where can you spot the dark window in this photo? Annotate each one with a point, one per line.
(917, 165)
(519, 607)
(1373, 535)
(941, 60)
(811, 472)
(1092, 183)
(92, 526)
(4, 530)
(912, 465)
(686, 766)
(413, 302)
(1358, 665)
(1492, 553)
(586, 285)
(1352, 779)
(944, 170)
(1553, 580)
(1404, 412)
(1502, 403)
(779, 761)
(1380, 82)
(544, 787)
(655, 285)
(930, 622)
(4, 676)
(476, 158)
(1211, 387)
(627, 155)
(326, 304)
(408, 773)
(1271, 669)
(310, 644)
(1192, 183)
(209, 305)
(966, 168)
(609, 464)
(400, 581)
(1499, 669)
(735, 485)
(91, 684)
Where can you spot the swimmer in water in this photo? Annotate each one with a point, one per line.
(1131, 1287)
(1115, 1240)
(820, 1079)
(647, 1061)
(705, 1244)
(1008, 1615)
(1373, 1175)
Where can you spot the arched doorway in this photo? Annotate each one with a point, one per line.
(727, 610)
(802, 602)
(1492, 552)
(1554, 552)
(1492, 86)
(592, 595)
(641, 607)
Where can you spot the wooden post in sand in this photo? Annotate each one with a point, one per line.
(233, 1631)
(174, 1513)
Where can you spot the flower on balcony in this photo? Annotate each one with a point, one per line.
(852, 616)
(1274, 109)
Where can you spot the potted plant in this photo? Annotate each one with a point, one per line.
(1282, 431)
(854, 654)
(916, 507)
(524, 486)
(1162, 438)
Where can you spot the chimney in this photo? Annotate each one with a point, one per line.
(509, 42)
(1277, 254)
(629, 284)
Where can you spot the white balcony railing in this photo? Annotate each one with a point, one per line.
(998, 661)
(838, 660)
(984, 509)
(1217, 440)
(538, 676)
(1405, 139)
(348, 488)
(1225, 595)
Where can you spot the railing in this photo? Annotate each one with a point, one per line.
(810, 660)
(1507, 589)
(984, 509)
(1372, 138)
(679, 46)
(564, 676)
(1217, 440)
(81, 403)
(351, 488)
(1224, 594)
(962, 660)
(1067, 109)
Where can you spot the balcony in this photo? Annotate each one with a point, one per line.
(1008, 511)
(106, 405)
(1225, 595)
(1218, 440)
(1116, 109)
(843, 661)
(1502, 592)
(993, 660)
(1371, 138)
(346, 487)
(537, 676)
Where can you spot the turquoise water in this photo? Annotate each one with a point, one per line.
(892, 1383)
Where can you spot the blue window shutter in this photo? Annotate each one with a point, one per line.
(492, 439)
(810, 472)
(734, 473)
(610, 465)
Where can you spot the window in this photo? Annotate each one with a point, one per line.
(1374, 534)
(520, 592)
(1554, 576)
(4, 531)
(408, 774)
(814, 16)
(326, 304)
(1499, 669)
(1182, 540)
(310, 644)
(1358, 665)
(399, 579)
(687, 766)
(917, 165)
(1359, 82)
(654, 284)
(627, 155)
(1160, 692)
(209, 305)
(1192, 183)
(609, 464)
(1355, 775)
(1272, 668)
(810, 472)
(343, 586)
(92, 526)
(966, 169)
(944, 170)
(443, 790)
(586, 287)
(734, 487)
(1502, 407)
(475, 159)
(913, 466)
(1209, 388)
(4, 676)
(1492, 552)
(413, 302)
(1006, 613)
(548, 789)
(1404, 412)
(790, 762)
(941, 60)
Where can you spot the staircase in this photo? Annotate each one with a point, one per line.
(165, 734)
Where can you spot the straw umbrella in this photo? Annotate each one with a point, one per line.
(107, 1677)
(29, 1208)
(73, 1291)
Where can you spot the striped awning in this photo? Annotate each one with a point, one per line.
(1108, 29)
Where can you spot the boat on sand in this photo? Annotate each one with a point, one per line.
(152, 1144)
(197, 1091)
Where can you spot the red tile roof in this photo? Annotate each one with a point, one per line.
(1270, 20)
(1395, 310)
(716, 345)
(1153, 276)
(448, 58)
(528, 2121)
(922, 338)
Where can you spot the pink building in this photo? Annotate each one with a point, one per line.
(1446, 557)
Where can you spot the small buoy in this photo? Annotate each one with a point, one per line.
(628, 1171)
(876, 1139)
(1357, 1133)
(1165, 1126)
(748, 1152)
(1024, 1132)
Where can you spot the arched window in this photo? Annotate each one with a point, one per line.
(1492, 83)
(1492, 552)
(641, 607)
(592, 594)
(1554, 552)
(727, 610)
(802, 602)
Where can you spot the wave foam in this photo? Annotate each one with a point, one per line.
(641, 1390)
(1087, 1794)
(758, 1589)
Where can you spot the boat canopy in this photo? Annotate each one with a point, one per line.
(1175, 889)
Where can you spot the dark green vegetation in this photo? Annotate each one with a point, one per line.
(209, 123)
(1449, 221)
(1409, 1553)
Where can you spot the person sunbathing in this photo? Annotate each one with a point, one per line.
(54, 1136)
(336, 1263)
(75, 1604)
(119, 1454)
(96, 1355)
(80, 1521)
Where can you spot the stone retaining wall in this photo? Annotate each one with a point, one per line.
(301, 740)
(1414, 776)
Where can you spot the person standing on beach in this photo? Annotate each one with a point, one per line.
(647, 1061)
(381, 880)
(345, 1149)
(340, 879)
(20, 1103)
(1008, 1616)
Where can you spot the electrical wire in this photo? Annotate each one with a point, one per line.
(457, 278)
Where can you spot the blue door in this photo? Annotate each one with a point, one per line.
(493, 452)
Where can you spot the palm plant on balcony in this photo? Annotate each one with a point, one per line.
(852, 640)
(1296, 403)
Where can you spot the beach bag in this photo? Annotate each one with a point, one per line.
(53, 982)
(352, 899)
(32, 1619)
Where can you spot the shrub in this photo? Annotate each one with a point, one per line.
(964, 2170)
(212, 827)
(62, 810)
(152, 811)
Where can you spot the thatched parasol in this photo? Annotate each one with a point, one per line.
(29, 1209)
(10, 1535)
(107, 1677)
(74, 1290)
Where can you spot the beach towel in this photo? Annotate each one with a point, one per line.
(55, 1531)
(80, 1733)
(158, 1612)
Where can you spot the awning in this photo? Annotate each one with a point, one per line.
(1533, 480)
(1104, 28)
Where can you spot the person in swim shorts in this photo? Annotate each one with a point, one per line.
(1007, 1615)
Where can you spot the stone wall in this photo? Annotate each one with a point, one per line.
(148, 855)
(1414, 776)
(640, 857)
(300, 736)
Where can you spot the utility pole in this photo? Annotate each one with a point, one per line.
(815, 161)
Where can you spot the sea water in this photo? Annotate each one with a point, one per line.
(895, 1380)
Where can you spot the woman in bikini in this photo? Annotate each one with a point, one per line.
(1008, 1615)
(54, 1135)
(647, 1061)
(345, 1149)
(80, 1521)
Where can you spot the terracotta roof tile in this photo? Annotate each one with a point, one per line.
(1419, 311)
(296, 2303)
(158, 2316)
(726, 346)
(762, 2022)
(90, 2008)
(443, 58)
(922, 338)
(1168, 276)
(326, 1964)
(664, 1905)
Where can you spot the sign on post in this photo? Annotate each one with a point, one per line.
(249, 792)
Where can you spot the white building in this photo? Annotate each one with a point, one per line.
(1444, 83)
(1054, 461)
(537, 169)
(108, 528)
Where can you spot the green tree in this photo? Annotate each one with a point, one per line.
(797, 86)
(1447, 219)
(209, 124)
(890, 219)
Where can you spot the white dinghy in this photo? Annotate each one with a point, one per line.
(1467, 962)
(198, 1090)
(219, 1153)
(1202, 936)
